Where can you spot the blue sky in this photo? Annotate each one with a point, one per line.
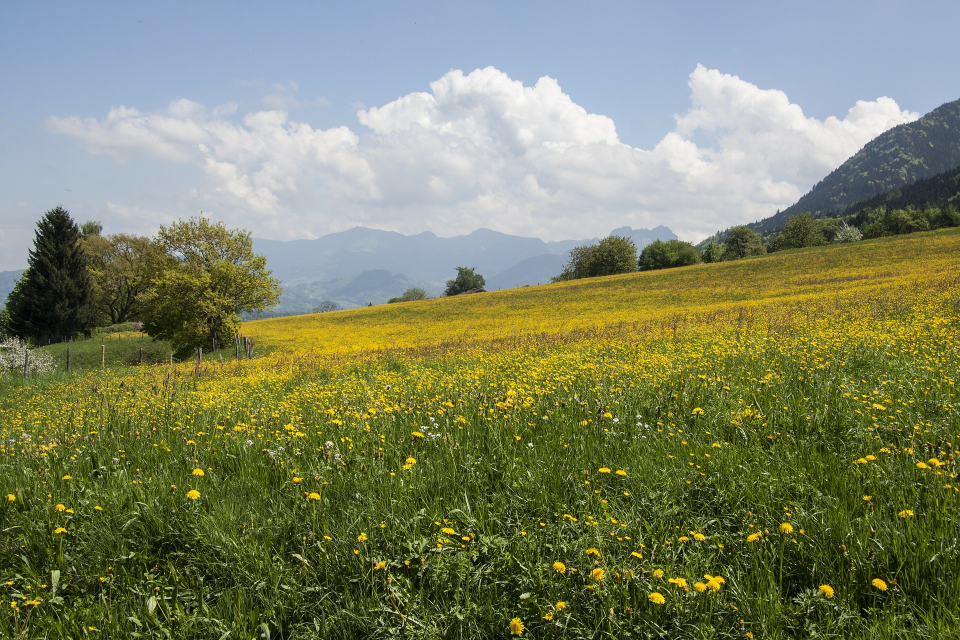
(309, 118)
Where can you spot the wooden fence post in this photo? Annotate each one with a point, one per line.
(68, 359)
(141, 355)
(199, 355)
(103, 355)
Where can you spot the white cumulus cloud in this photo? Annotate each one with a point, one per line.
(482, 149)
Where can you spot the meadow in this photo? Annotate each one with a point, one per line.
(757, 449)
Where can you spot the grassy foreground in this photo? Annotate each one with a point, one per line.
(746, 450)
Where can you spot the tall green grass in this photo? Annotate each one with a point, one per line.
(721, 431)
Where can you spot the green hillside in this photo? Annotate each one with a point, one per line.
(941, 190)
(901, 156)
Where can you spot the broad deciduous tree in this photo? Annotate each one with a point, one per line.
(742, 241)
(120, 265)
(612, 255)
(801, 231)
(466, 280)
(666, 255)
(203, 278)
(410, 295)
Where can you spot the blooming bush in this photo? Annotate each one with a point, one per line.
(12, 353)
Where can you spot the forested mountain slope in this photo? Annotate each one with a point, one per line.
(901, 156)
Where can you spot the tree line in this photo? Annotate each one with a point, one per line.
(188, 285)
(616, 254)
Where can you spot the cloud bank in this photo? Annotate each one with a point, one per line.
(483, 150)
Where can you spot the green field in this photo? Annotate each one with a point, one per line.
(795, 437)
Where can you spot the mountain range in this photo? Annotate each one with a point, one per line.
(363, 266)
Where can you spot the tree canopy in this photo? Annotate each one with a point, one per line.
(119, 266)
(411, 294)
(203, 278)
(666, 255)
(466, 280)
(54, 297)
(612, 255)
(800, 231)
(742, 241)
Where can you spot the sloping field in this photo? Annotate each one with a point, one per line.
(757, 449)
(635, 301)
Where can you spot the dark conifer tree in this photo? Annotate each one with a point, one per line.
(55, 295)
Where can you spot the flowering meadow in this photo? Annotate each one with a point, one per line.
(759, 449)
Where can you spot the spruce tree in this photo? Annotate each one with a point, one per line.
(55, 294)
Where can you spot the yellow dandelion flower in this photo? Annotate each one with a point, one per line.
(658, 573)
(380, 565)
(867, 498)
(193, 494)
(621, 472)
(680, 583)
(786, 528)
(593, 552)
(636, 554)
(362, 537)
(714, 582)
(297, 480)
(699, 587)
(921, 465)
(597, 574)
(699, 537)
(416, 434)
(682, 539)
(313, 496)
(98, 508)
(753, 537)
(60, 507)
(197, 472)
(906, 513)
(879, 584)
(516, 627)
(410, 461)
(560, 606)
(11, 497)
(68, 477)
(59, 530)
(656, 598)
(826, 591)
(604, 470)
(559, 567)
(698, 411)
(449, 531)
